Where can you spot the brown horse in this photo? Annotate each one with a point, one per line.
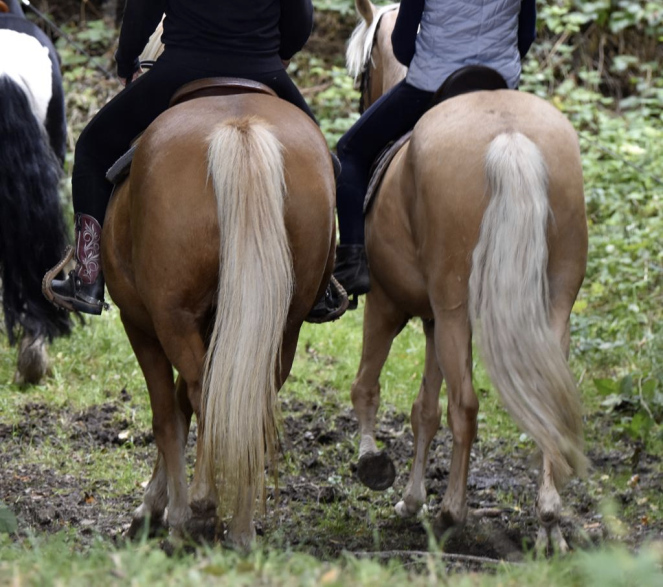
(487, 233)
(215, 249)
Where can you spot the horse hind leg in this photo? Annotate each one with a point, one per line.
(548, 501)
(454, 351)
(382, 323)
(425, 420)
(33, 362)
(170, 430)
(183, 344)
(150, 515)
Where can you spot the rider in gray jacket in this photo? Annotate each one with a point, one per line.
(434, 38)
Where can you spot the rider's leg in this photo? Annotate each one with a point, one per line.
(102, 142)
(386, 120)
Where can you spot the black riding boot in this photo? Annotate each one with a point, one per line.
(83, 289)
(351, 270)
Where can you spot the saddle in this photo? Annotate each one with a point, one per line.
(472, 78)
(213, 86)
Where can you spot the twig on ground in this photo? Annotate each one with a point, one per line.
(463, 558)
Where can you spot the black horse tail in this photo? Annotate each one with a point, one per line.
(32, 229)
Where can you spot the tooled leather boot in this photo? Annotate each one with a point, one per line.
(351, 270)
(83, 288)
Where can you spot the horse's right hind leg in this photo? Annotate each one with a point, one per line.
(382, 322)
(548, 501)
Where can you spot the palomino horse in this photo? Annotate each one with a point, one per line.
(215, 249)
(32, 148)
(486, 233)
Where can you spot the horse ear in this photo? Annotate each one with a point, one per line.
(366, 9)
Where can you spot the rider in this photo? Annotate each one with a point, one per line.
(434, 38)
(206, 38)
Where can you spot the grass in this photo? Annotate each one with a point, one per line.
(55, 563)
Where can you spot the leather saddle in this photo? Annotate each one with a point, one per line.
(201, 88)
(472, 78)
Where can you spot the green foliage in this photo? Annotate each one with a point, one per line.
(8, 522)
(340, 6)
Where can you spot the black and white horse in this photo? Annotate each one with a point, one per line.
(32, 150)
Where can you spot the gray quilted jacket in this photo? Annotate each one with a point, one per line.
(455, 33)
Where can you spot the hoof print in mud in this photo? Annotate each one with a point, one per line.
(376, 471)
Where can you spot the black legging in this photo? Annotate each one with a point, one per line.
(386, 120)
(110, 132)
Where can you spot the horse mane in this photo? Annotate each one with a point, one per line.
(154, 46)
(360, 46)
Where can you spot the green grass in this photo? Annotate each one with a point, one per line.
(54, 562)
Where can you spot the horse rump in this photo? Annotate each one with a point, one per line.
(32, 228)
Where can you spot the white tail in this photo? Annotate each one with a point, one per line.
(509, 305)
(360, 45)
(154, 46)
(256, 284)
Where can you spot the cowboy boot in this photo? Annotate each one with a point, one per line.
(351, 270)
(83, 289)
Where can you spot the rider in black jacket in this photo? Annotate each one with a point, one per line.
(207, 38)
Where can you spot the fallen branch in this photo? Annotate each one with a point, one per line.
(463, 558)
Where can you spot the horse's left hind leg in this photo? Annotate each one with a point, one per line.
(382, 323)
(454, 351)
(149, 515)
(168, 422)
(425, 420)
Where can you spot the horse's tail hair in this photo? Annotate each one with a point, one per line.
(256, 283)
(32, 229)
(509, 305)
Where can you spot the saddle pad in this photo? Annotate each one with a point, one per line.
(380, 167)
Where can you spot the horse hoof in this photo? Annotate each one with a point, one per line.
(32, 363)
(446, 525)
(206, 529)
(376, 470)
(146, 527)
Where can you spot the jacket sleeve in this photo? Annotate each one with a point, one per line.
(405, 31)
(140, 20)
(295, 26)
(526, 26)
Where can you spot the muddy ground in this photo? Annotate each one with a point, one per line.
(321, 507)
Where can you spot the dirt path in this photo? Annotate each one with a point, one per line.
(321, 507)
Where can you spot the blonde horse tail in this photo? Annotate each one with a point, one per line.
(509, 305)
(256, 282)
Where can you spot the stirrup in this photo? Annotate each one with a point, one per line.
(331, 306)
(51, 274)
